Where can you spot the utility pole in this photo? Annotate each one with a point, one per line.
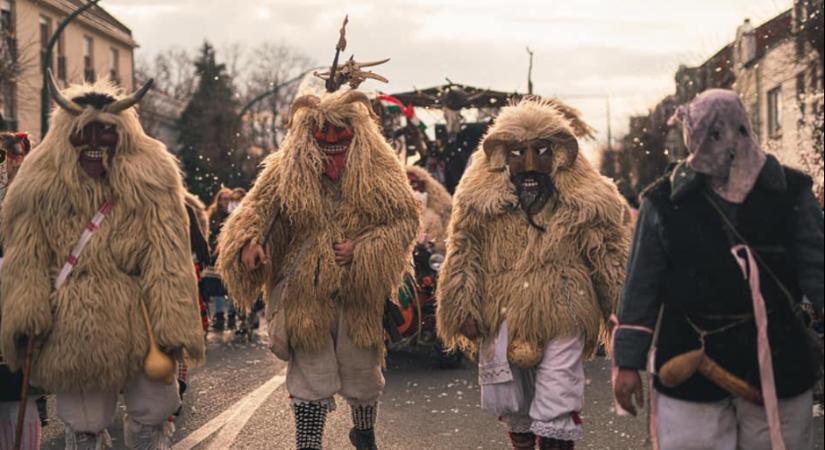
(609, 128)
(530, 73)
(45, 101)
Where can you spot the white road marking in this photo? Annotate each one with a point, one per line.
(233, 419)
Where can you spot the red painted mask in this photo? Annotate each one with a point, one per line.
(93, 143)
(334, 142)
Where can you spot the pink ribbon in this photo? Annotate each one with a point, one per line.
(751, 273)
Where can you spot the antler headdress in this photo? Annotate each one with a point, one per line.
(351, 71)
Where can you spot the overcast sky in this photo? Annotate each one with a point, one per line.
(584, 49)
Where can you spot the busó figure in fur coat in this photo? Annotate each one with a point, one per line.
(327, 232)
(96, 242)
(535, 260)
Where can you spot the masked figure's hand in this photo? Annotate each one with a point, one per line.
(344, 252)
(253, 256)
(628, 385)
(469, 328)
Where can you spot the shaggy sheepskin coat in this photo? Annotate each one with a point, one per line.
(436, 216)
(372, 205)
(562, 282)
(90, 333)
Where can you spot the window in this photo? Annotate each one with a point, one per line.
(114, 62)
(6, 23)
(775, 112)
(45, 35)
(800, 96)
(756, 123)
(61, 57)
(88, 59)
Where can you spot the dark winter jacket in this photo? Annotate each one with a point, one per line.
(681, 260)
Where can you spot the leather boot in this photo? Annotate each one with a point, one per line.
(363, 439)
(556, 444)
(523, 441)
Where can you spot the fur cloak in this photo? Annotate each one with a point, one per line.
(565, 281)
(435, 218)
(372, 205)
(90, 333)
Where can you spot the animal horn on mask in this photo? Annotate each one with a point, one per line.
(349, 72)
(304, 101)
(68, 105)
(129, 101)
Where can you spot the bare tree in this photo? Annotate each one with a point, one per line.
(268, 66)
(174, 73)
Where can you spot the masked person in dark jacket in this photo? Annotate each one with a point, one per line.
(727, 245)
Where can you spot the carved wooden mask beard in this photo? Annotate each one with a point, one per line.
(95, 144)
(530, 165)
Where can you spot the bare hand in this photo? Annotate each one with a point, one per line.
(628, 386)
(344, 252)
(469, 328)
(253, 256)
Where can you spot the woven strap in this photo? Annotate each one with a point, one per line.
(90, 229)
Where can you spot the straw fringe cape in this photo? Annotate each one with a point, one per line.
(90, 333)
(565, 281)
(372, 205)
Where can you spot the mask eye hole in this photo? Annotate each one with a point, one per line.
(543, 150)
(518, 152)
(715, 135)
(743, 130)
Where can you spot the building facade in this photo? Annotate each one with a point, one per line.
(94, 46)
(777, 69)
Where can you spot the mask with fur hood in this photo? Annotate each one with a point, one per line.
(558, 273)
(141, 251)
(369, 203)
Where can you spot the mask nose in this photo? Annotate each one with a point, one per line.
(530, 161)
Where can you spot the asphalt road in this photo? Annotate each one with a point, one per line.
(237, 401)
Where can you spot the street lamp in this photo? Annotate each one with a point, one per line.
(47, 60)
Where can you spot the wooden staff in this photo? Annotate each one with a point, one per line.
(24, 394)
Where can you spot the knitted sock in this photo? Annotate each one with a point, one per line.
(364, 416)
(310, 418)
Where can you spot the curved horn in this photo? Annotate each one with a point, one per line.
(373, 63)
(70, 106)
(304, 101)
(130, 101)
(359, 97)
